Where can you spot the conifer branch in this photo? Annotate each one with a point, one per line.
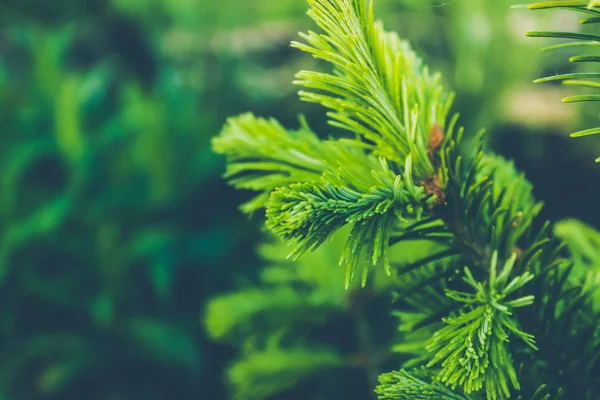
(472, 347)
(414, 385)
(581, 40)
(407, 177)
(262, 155)
(379, 89)
(366, 193)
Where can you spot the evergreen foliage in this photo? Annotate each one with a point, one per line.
(583, 243)
(492, 310)
(379, 88)
(417, 384)
(579, 41)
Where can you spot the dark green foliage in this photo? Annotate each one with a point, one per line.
(88, 170)
(106, 251)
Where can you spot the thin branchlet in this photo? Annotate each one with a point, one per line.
(578, 40)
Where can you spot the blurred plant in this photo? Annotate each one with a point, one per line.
(283, 326)
(105, 255)
(476, 44)
(84, 190)
(583, 243)
(491, 311)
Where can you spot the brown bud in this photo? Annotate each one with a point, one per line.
(436, 137)
(432, 186)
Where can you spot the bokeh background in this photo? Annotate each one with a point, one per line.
(116, 227)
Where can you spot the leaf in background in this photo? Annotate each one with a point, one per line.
(161, 275)
(13, 169)
(165, 342)
(229, 314)
(57, 376)
(262, 374)
(102, 310)
(48, 51)
(53, 349)
(68, 130)
(41, 222)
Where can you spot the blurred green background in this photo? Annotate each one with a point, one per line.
(115, 224)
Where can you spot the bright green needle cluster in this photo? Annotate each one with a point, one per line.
(472, 347)
(262, 155)
(370, 196)
(379, 88)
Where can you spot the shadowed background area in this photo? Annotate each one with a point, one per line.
(115, 224)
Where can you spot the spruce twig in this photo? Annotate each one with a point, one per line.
(493, 296)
